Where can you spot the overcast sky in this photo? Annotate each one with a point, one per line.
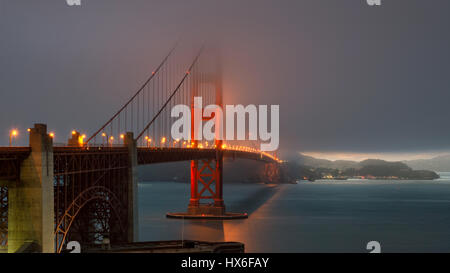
(348, 77)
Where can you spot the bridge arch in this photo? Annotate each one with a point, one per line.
(92, 193)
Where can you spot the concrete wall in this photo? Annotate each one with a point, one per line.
(31, 201)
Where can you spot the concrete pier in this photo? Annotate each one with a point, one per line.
(133, 223)
(31, 202)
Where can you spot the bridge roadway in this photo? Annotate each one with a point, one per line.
(11, 157)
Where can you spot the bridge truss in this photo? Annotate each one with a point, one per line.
(91, 195)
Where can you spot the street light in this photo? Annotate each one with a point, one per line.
(163, 140)
(175, 142)
(104, 135)
(81, 139)
(149, 142)
(112, 140)
(12, 134)
(52, 135)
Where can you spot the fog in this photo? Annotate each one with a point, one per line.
(348, 77)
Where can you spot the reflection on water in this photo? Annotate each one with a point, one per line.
(322, 216)
(158, 198)
(204, 230)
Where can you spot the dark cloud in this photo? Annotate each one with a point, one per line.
(348, 77)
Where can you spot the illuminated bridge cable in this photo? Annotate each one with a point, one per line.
(173, 94)
(154, 73)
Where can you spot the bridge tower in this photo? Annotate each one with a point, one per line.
(207, 174)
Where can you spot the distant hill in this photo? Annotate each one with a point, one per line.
(324, 163)
(437, 164)
(369, 167)
(381, 168)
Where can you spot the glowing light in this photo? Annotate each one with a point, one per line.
(103, 135)
(12, 135)
(175, 142)
(74, 132)
(224, 146)
(112, 138)
(163, 140)
(29, 129)
(122, 136)
(146, 137)
(51, 134)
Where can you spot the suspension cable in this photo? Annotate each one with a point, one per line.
(173, 93)
(137, 93)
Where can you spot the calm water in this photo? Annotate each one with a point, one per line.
(322, 216)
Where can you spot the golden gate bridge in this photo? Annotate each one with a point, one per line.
(86, 189)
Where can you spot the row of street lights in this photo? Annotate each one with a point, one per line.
(109, 140)
(14, 133)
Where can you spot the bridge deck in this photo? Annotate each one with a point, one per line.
(160, 155)
(11, 157)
